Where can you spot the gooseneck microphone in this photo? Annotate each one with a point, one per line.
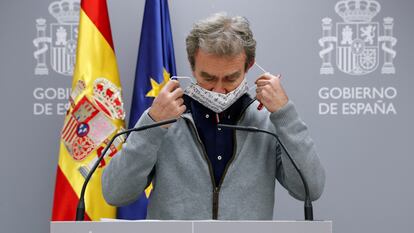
(80, 210)
(308, 203)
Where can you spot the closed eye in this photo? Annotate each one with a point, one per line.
(207, 77)
(233, 77)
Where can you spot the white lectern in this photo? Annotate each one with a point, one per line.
(193, 227)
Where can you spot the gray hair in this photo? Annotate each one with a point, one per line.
(221, 35)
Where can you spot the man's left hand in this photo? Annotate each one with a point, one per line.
(270, 92)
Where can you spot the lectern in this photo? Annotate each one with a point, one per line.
(193, 227)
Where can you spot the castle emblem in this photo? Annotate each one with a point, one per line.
(358, 40)
(62, 39)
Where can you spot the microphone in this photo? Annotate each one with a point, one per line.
(308, 203)
(80, 210)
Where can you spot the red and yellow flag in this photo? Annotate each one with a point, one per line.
(95, 115)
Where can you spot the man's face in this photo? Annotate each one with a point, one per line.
(219, 74)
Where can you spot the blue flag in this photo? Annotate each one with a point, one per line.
(155, 65)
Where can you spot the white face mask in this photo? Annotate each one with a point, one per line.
(216, 102)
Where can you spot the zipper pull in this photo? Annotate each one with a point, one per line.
(217, 118)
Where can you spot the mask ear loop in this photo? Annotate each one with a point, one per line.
(187, 83)
(180, 77)
(260, 107)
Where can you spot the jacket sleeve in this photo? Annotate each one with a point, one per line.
(129, 171)
(293, 133)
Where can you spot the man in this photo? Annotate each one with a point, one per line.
(200, 171)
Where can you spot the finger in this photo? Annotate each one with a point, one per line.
(268, 90)
(182, 109)
(171, 85)
(262, 82)
(177, 93)
(263, 77)
(269, 94)
(268, 76)
(179, 101)
(259, 96)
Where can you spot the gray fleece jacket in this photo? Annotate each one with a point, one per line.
(177, 164)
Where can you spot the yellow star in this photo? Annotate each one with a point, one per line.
(156, 87)
(148, 190)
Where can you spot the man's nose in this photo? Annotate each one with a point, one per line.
(219, 88)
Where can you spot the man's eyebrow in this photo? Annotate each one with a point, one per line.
(207, 75)
(234, 75)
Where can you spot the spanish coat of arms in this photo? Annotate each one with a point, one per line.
(358, 40)
(62, 39)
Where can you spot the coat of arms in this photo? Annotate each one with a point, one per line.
(89, 125)
(358, 40)
(62, 39)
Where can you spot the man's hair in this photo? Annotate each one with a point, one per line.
(221, 35)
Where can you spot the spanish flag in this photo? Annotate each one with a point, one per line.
(96, 113)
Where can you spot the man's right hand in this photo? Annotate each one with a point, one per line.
(169, 103)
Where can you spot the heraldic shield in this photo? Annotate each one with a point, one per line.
(63, 47)
(61, 41)
(357, 47)
(358, 39)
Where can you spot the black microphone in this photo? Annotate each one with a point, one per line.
(80, 210)
(308, 203)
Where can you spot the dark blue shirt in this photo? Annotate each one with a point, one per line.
(218, 143)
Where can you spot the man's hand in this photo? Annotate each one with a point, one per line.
(169, 103)
(270, 92)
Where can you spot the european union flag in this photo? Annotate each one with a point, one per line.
(155, 65)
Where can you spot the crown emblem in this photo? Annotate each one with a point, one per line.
(357, 10)
(108, 97)
(359, 40)
(65, 11)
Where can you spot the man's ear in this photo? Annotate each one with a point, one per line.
(250, 65)
(194, 76)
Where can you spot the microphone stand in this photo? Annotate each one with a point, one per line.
(80, 210)
(308, 209)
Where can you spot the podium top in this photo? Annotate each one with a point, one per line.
(207, 226)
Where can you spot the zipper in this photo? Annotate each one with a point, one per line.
(216, 193)
(210, 168)
(216, 188)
